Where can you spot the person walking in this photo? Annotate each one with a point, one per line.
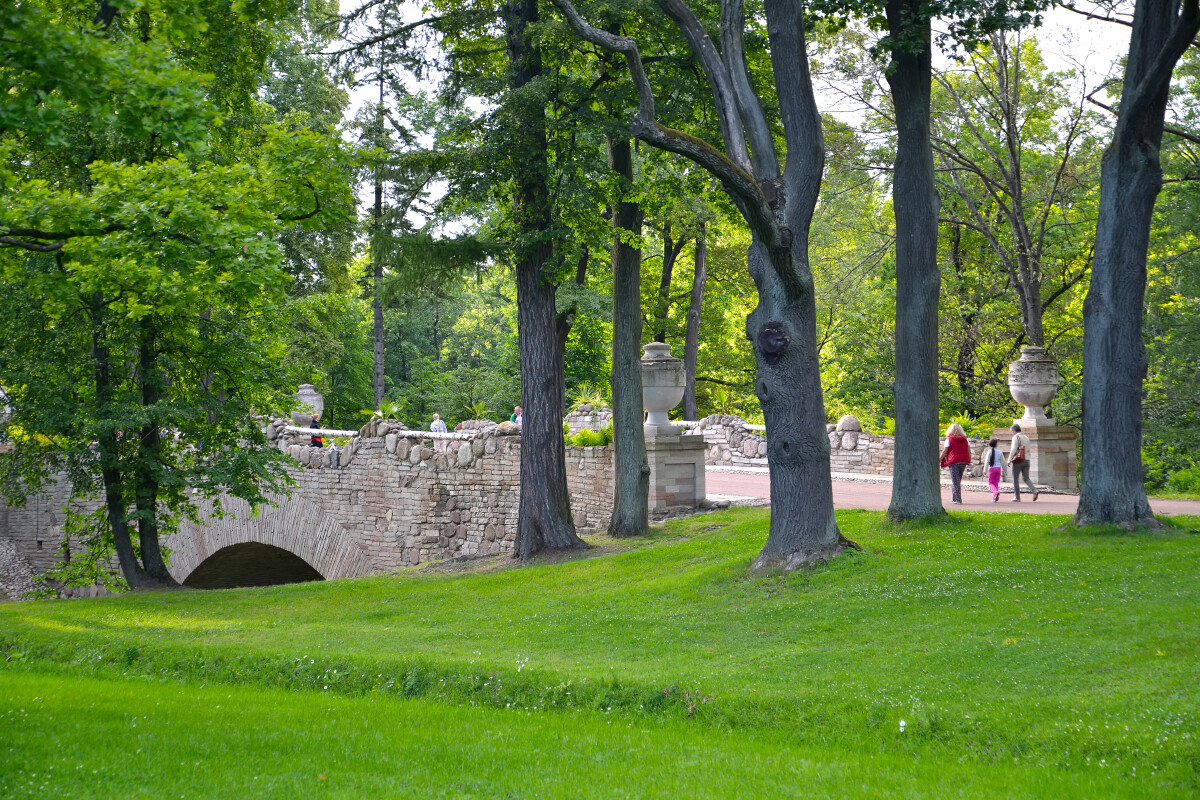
(1018, 459)
(993, 462)
(956, 455)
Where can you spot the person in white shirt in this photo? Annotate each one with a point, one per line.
(438, 425)
(1018, 459)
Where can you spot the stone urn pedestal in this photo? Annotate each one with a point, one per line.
(311, 404)
(1033, 381)
(676, 460)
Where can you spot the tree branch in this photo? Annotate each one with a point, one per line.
(718, 78)
(737, 180)
(762, 144)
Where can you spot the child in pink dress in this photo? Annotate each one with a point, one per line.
(994, 461)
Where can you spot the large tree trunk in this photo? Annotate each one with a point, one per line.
(779, 212)
(377, 264)
(149, 461)
(107, 444)
(544, 512)
(783, 328)
(691, 345)
(631, 473)
(1114, 357)
(916, 488)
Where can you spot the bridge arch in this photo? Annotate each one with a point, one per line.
(295, 530)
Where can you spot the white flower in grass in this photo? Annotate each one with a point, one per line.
(902, 724)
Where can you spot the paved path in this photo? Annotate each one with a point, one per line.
(852, 491)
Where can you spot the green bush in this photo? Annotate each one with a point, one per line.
(1185, 481)
(586, 438)
(606, 434)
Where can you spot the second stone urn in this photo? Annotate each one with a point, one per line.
(310, 403)
(662, 386)
(1033, 381)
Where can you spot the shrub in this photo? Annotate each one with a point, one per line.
(586, 438)
(606, 434)
(1185, 481)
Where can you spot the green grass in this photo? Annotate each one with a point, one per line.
(105, 738)
(1046, 663)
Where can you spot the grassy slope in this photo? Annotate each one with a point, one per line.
(155, 740)
(994, 637)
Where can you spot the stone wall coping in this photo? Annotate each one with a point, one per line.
(319, 431)
(459, 435)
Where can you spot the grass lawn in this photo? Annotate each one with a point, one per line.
(1024, 661)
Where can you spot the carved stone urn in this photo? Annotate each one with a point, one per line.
(310, 403)
(1033, 381)
(662, 386)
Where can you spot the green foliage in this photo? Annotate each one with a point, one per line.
(140, 208)
(477, 410)
(586, 393)
(587, 438)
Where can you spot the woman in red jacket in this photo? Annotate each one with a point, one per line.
(956, 455)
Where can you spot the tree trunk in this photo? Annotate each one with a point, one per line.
(631, 470)
(544, 510)
(784, 331)
(377, 263)
(107, 444)
(691, 346)
(149, 461)
(662, 308)
(1112, 489)
(916, 488)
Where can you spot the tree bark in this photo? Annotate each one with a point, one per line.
(691, 346)
(662, 308)
(149, 461)
(916, 488)
(1112, 489)
(377, 264)
(107, 446)
(631, 473)
(544, 510)
(779, 211)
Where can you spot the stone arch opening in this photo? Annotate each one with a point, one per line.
(251, 564)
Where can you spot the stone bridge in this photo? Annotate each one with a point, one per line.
(388, 498)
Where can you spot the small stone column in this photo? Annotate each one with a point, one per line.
(676, 460)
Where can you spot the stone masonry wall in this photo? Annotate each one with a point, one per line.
(386, 500)
(731, 443)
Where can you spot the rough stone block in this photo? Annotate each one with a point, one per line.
(465, 456)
